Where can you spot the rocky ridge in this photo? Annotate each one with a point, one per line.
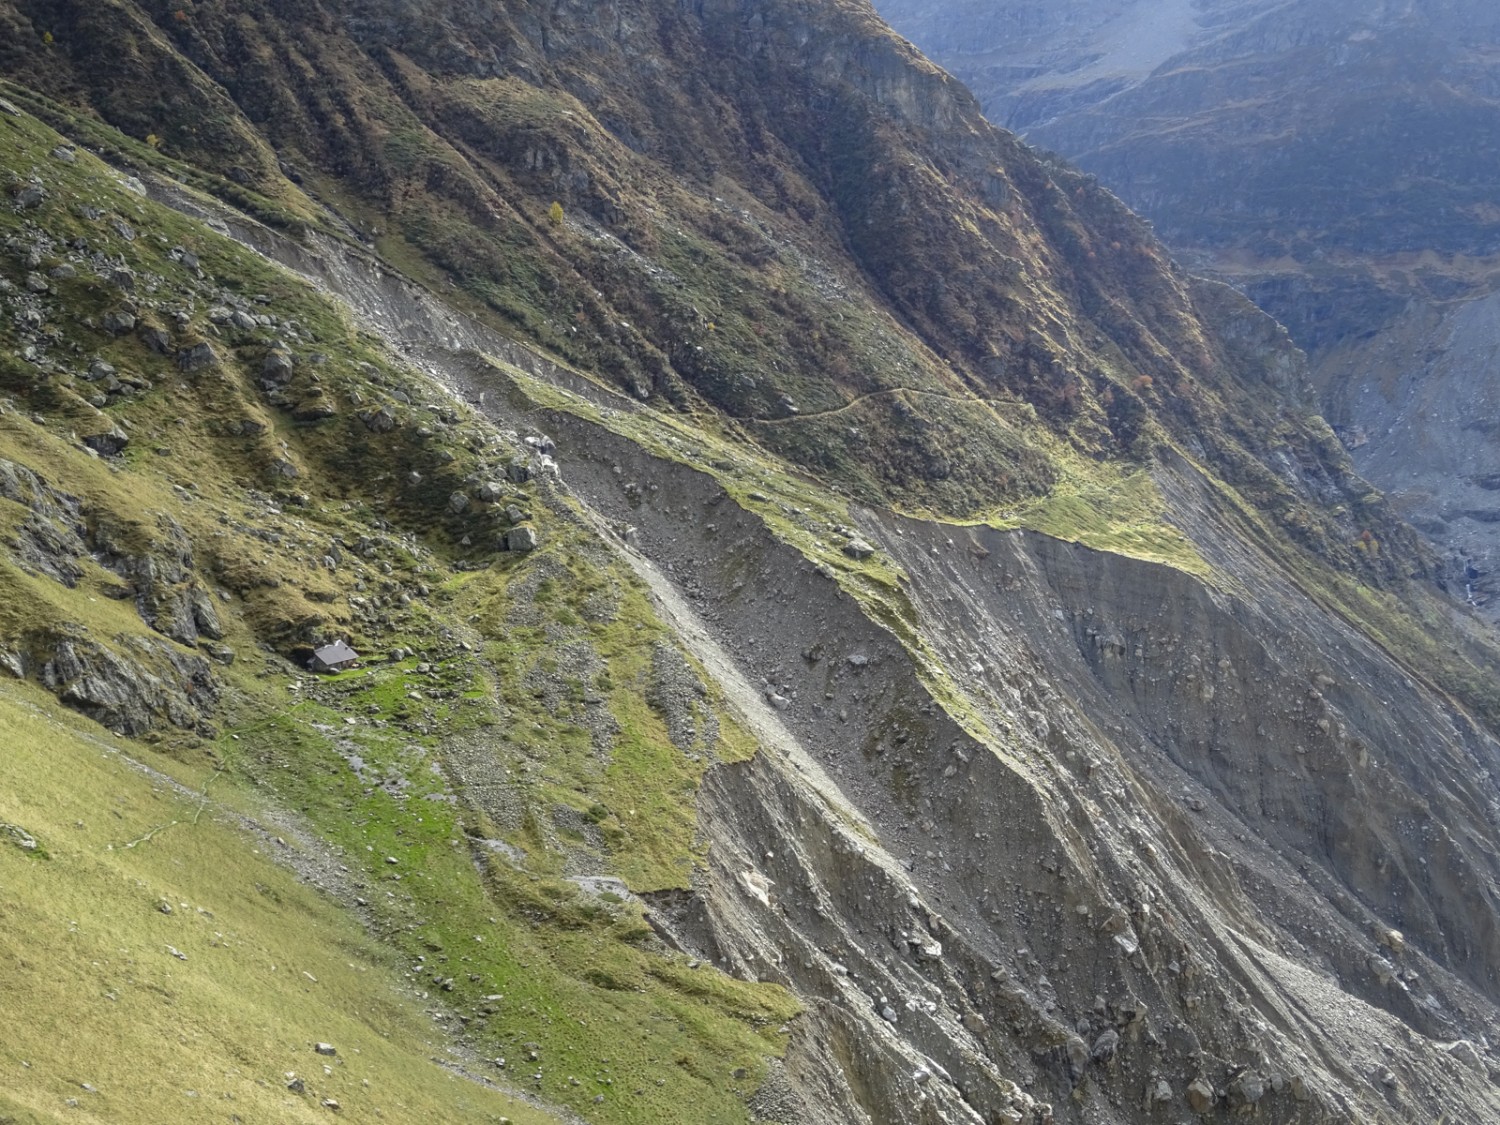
(1329, 160)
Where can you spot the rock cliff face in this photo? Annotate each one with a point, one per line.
(853, 634)
(1331, 160)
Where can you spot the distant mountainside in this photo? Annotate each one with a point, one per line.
(1336, 161)
(848, 631)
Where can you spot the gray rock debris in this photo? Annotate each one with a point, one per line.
(18, 836)
(118, 322)
(1200, 1095)
(108, 443)
(858, 549)
(277, 367)
(197, 357)
(519, 539)
(379, 421)
(1105, 1046)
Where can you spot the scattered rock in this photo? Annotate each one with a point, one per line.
(1247, 1089)
(1200, 1095)
(277, 367)
(520, 539)
(756, 885)
(926, 948)
(327, 1049)
(197, 357)
(108, 443)
(117, 322)
(458, 503)
(315, 411)
(1463, 1051)
(32, 195)
(156, 339)
(858, 549)
(379, 421)
(15, 834)
(1105, 1046)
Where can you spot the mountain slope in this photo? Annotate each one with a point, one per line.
(1334, 161)
(974, 686)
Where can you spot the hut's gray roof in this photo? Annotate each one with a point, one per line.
(336, 653)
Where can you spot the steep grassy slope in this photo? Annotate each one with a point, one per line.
(274, 479)
(161, 966)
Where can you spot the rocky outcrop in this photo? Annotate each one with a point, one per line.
(51, 539)
(161, 576)
(136, 686)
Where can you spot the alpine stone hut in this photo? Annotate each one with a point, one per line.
(333, 658)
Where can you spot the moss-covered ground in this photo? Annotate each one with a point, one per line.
(160, 966)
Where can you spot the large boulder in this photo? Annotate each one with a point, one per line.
(277, 367)
(197, 357)
(519, 539)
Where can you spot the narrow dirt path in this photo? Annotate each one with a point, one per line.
(854, 402)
